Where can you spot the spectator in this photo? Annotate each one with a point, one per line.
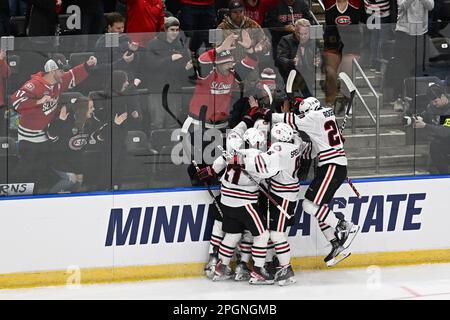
(5, 73)
(71, 132)
(436, 122)
(412, 25)
(37, 103)
(342, 42)
(43, 17)
(17, 7)
(91, 15)
(378, 28)
(215, 90)
(169, 61)
(281, 19)
(196, 18)
(257, 9)
(298, 51)
(144, 19)
(237, 24)
(125, 57)
(4, 19)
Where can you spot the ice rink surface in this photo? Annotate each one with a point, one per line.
(408, 282)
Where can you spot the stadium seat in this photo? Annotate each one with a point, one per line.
(77, 58)
(18, 26)
(415, 92)
(68, 96)
(14, 63)
(160, 138)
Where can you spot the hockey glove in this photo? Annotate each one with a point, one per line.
(206, 174)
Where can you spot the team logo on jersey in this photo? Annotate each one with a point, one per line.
(277, 148)
(77, 142)
(220, 88)
(343, 20)
(29, 86)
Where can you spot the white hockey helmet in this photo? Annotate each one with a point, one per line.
(234, 142)
(307, 105)
(282, 132)
(262, 125)
(255, 138)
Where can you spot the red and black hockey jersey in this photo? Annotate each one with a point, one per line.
(34, 118)
(215, 90)
(341, 25)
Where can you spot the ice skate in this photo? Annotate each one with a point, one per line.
(337, 254)
(259, 275)
(211, 266)
(242, 272)
(271, 266)
(346, 232)
(222, 272)
(285, 276)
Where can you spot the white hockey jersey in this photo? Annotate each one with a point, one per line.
(281, 164)
(324, 132)
(237, 189)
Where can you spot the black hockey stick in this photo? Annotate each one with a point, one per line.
(352, 90)
(209, 189)
(165, 104)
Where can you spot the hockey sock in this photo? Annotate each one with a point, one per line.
(323, 214)
(259, 249)
(226, 249)
(282, 247)
(245, 247)
(216, 237)
(327, 231)
(270, 251)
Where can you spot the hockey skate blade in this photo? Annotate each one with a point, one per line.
(220, 278)
(343, 255)
(286, 282)
(353, 232)
(258, 282)
(242, 277)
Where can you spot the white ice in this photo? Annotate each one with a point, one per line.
(430, 281)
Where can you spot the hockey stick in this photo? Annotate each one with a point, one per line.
(269, 142)
(165, 104)
(352, 89)
(226, 155)
(209, 189)
(290, 81)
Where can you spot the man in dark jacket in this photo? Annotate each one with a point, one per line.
(281, 19)
(43, 17)
(167, 58)
(298, 51)
(436, 121)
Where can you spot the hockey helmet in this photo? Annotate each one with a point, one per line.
(307, 105)
(254, 138)
(282, 132)
(234, 142)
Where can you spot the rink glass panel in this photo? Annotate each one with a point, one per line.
(144, 151)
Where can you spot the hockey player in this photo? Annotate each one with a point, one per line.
(239, 199)
(281, 164)
(320, 124)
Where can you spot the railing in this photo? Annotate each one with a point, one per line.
(376, 119)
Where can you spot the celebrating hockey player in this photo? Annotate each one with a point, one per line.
(320, 124)
(281, 163)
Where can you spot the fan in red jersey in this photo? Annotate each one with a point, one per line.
(342, 40)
